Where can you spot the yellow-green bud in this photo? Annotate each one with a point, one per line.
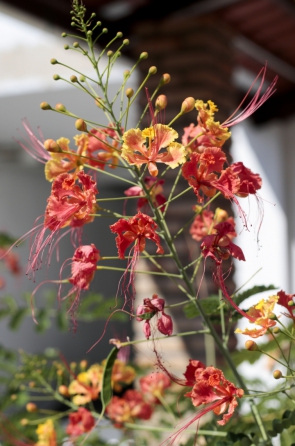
(99, 102)
(126, 41)
(83, 364)
(98, 23)
(119, 34)
(56, 77)
(110, 53)
(73, 365)
(73, 78)
(291, 303)
(276, 330)
(53, 61)
(272, 316)
(152, 70)
(144, 55)
(105, 30)
(161, 102)
(277, 374)
(24, 421)
(45, 106)
(82, 78)
(81, 125)
(63, 34)
(251, 346)
(188, 105)
(89, 33)
(126, 74)
(76, 44)
(60, 107)
(63, 390)
(13, 397)
(66, 47)
(31, 407)
(129, 92)
(165, 79)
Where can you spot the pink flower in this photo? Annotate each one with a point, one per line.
(103, 148)
(153, 385)
(128, 408)
(83, 266)
(148, 310)
(80, 422)
(155, 189)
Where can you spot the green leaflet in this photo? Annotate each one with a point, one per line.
(107, 392)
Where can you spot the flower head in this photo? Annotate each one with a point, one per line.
(87, 386)
(46, 434)
(205, 222)
(128, 408)
(83, 266)
(103, 148)
(153, 385)
(80, 422)
(143, 147)
(286, 301)
(261, 314)
(155, 190)
(136, 229)
(149, 309)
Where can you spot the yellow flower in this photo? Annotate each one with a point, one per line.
(46, 434)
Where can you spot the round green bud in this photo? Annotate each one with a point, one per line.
(98, 23)
(80, 125)
(63, 34)
(110, 53)
(93, 15)
(126, 41)
(291, 303)
(152, 70)
(89, 33)
(251, 346)
(99, 102)
(188, 105)
(53, 61)
(105, 30)
(73, 79)
(60, 107)
(66, 47)
(276, 330)
(76, 44)
(82, 78)
(129, 93)
(119, 34)
(45, 106)
(143, 55)
(277, 374)
(126, 74)
(272, 316)
(56, 77)
(73, 24)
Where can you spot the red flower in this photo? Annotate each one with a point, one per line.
(103, 148)
(211, 387)
(149, 309)
(80, 422)
(137, 229)
(84, 266)
(204, 223)
(239, 180)
(153, 385)
(128, 408)
(284, 301)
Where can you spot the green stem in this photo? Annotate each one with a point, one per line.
(146, 427)
(111, 175)
(154, 273)
(187, 333)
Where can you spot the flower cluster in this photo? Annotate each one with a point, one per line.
(149, 309)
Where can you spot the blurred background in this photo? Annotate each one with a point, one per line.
(213, 49)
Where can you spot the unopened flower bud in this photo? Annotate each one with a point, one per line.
(66, 47)
(272, 316)
(221, 215)
(251, 346)
(98, 23)
(99, 102)
(24, 421)
(13, 397)
(51, 146)
(83, 364)
(63, 390)
(73, 79)
(126, 41)
(129, 93)
(45, 106)
(161, 102)
(277, 374)
(188, 105)
(60, 107)
(152, 70)
(89, 33)
(31, 407)
(165, 79)
(276, 330)
(53, 61)
(63, 34)
(82, 78)
(119, 34)
(76, 44)
(80, 125)
(291, 303)
(110, 53)
(73, 365)
(56, 77)
(126, 74)
(143, 55)
(32, 384)
(105, 30)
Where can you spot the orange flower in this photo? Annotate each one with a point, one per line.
(153, 385)
(46, 434)
(87, 386)
(261, 315)
(121, 374)
(128, 408)
(143, 147)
